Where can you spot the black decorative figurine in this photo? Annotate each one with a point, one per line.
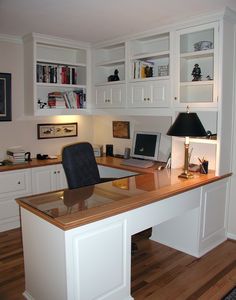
(196, 73)
(114, 77)
(148, 71)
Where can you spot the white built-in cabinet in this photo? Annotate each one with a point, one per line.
(149, 94)
(149, 69)
(107, 59)
(201, 229)
(48, 178)
(197, 45)
(13, 184)
(110, 96)
(56, 75)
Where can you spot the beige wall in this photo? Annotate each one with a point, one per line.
(103, 133)
(23, 130)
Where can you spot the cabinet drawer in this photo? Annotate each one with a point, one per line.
(15, 182)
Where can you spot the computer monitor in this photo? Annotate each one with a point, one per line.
(146, 145)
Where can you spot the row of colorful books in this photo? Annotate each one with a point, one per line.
(70, 99)
(16, 155)
(56, 74)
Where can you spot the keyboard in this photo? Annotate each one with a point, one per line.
(138, 163)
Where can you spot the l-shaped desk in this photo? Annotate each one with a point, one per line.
(77, 243)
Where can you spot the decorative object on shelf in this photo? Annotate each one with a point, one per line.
(187, 125)
(114, 77)
(209, 77)
(203, 166)
(148, 71)
(196, 73)
(210, 135)
(49, 131)
(163, 70)
(42, 104)
(121, 129)
(203, 45)
(5, 97)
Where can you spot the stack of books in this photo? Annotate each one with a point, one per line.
(69, 99)
(16, 155)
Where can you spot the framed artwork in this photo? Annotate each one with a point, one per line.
(121, 129)
(5, 97)
(50, 131)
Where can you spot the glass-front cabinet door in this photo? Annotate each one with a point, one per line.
(197, 66)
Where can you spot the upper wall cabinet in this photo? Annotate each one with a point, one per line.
(196, 66)
(55, 75)
(109, 76)
(149, 67)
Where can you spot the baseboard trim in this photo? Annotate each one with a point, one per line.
(231, 236)
(27, 296)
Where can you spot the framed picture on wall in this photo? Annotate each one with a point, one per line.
(61, 130)
(121, 129)
(5, 97)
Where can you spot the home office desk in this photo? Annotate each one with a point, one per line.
(77, 243)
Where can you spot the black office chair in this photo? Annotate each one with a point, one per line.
(80, 165)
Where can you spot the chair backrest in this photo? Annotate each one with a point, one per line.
(80, 165)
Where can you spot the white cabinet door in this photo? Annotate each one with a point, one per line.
(112, 96)
(149, 94)
(47, 179)
(61, 178)
(13, 184)
(212, 220)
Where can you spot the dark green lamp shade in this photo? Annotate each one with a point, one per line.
(187, 124)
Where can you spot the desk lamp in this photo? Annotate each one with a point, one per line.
(187, 125)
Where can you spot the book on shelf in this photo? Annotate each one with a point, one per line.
(62, 74)
(142, 69)
(69, 99)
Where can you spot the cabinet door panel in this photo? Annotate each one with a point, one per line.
(149, 94)
(117, 95)
(136, 94)
(43, 179)
(161, 93)
(100, 96)
(61, 178)
(110, 96)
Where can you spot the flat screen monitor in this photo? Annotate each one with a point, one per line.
(146, 145)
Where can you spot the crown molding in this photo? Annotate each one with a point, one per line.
(11, 38)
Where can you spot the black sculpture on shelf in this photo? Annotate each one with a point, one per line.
(114, 77)
(148, 71)
(196, 73)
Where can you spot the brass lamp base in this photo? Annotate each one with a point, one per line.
(186, 175)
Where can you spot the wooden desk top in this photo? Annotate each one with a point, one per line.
(34, 163)
(68, 209)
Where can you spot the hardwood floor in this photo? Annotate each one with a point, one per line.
(158, 272)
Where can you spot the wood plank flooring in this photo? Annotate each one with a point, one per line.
(158, 272)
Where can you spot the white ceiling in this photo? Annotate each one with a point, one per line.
(98, 20)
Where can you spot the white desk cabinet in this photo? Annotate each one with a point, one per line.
(12, 185)
(47, 179)
(99, 253)
(197, 231)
